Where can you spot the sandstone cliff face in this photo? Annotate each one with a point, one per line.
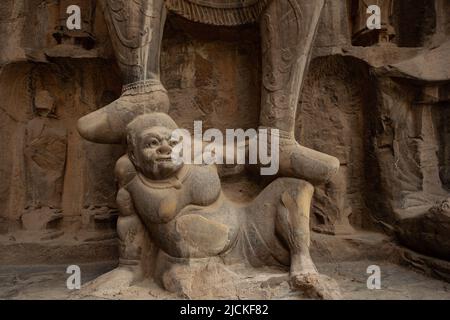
(382, 109)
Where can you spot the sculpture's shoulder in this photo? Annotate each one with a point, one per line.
(218, 12)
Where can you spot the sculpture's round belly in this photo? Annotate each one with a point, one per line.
(193, 236)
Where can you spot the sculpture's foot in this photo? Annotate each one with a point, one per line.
(306, 278)
(300, 162)
(316, 286)
(108, 124)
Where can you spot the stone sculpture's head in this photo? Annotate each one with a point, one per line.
(150, 145)
(445, 206)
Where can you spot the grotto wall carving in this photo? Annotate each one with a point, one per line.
(370, 108)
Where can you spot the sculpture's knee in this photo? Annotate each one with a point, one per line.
(304, 191)
(295, 187)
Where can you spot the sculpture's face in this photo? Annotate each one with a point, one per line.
(445, 206)
(152, 153)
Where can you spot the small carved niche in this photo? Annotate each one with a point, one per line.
(441, 117)
(415, 22)
(361, 34)
(83, 37)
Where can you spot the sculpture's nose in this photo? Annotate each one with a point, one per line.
(164, 150)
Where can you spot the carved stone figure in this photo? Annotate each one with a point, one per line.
(288, 28)
(182, 221)
(45, 158)
(378, 100)
(136, 29)
(187, 216)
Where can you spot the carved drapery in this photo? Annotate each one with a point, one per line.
(280, 53)
(135, 28)
(218, 12)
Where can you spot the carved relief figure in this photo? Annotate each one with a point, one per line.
(45, 160)
(288, 29)
(187, 216)
(182, 208)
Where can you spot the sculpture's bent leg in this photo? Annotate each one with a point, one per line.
(292, 225)
(130, 229)
(131, 234)
(135, 28)
(288, 28)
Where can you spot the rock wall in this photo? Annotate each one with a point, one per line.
(334, 117)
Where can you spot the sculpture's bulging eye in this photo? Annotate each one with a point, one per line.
(173, 143)
(153, 143)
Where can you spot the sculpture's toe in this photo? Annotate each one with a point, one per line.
(108, 124)
(96, 127)
(316, 286)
